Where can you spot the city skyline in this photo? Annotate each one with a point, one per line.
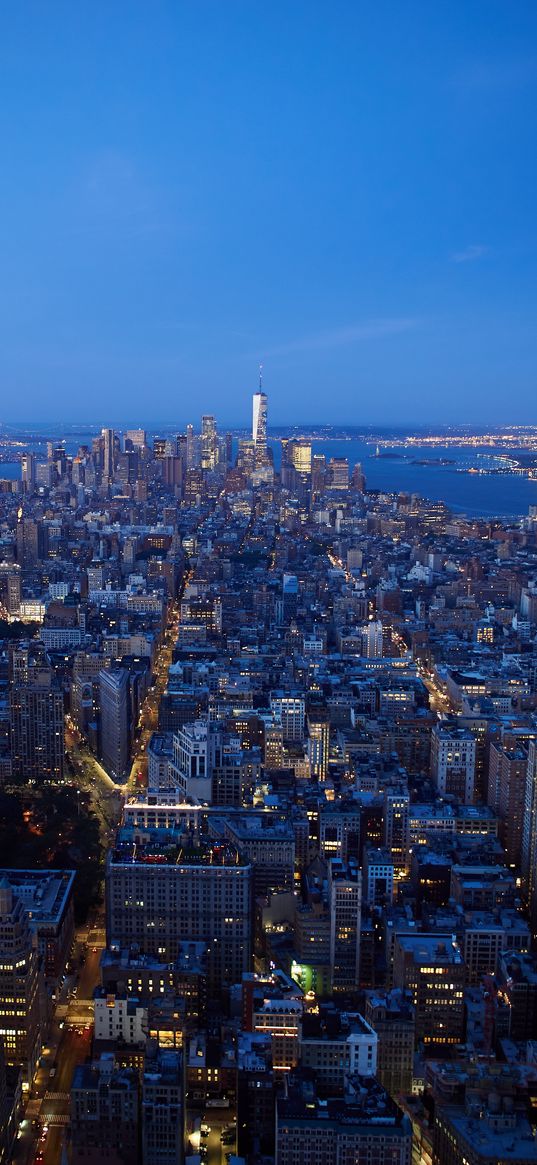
(268, 751)
(268, 583)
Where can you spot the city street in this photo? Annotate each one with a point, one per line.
(149, 712)
(438, 700)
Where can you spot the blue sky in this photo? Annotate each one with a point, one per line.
(344, 191)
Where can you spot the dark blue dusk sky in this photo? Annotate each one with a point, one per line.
(344, 191)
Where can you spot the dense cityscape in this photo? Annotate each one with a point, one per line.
(268, 753)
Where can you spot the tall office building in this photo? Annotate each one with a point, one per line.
(453, 762)
(396, 826)
(160, 892)
(318, 472)
(20, 1022)
(108, 438)
(137, 438)
(192, 449)
(300, 455)
(115, 722)
(289, 711)
(28, 471)
(246, 456)
(338, 473)
(259, 419)
(345, 903)
(296, 464)
(318, 743)
(27, 534)
(37, 729)
(209, 443)
(431, 966)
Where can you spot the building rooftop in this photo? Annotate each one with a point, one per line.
(516, 1143)
(44, 893)
(431, 948)
(366, 1104)
(169, 847)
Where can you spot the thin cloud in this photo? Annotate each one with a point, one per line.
(340, 337)
(470, 254)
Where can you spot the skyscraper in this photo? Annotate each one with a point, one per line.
(259, 417)
(209, 443)
(27, 535)
(37, 739)
(191, 448)
(115, 722)
(108, 438)
(137, 437)
(345, 901)
(28, 470)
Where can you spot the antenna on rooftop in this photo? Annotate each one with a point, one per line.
(260, 377)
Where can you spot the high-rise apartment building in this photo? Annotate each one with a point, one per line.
(507, 789)
(273, 745)
(37, 728)
(267, 840)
